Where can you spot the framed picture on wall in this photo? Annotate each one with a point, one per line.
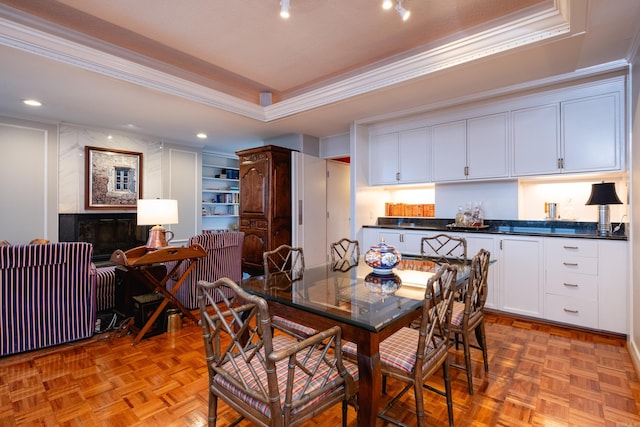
(113, 178)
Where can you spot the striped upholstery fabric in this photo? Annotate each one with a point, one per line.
(295, 329)
(106, 287)
(458, 314)
(48, 295)
(224, 259)
(399, 350)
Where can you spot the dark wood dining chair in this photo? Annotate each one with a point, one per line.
(284, 260)
(468, 316)
(282, 267)
(413, 355)
(269, 379)
(444, 248)
(345, 254)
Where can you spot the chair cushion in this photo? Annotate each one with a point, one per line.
(297, 328)
(397, 351)
(457, 314)
(279, 342)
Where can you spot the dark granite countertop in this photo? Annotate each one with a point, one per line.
(513, 227)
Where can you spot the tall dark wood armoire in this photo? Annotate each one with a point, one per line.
(265, 203)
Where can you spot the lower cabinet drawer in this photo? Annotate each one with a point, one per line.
(569, 264)
(583, 286)
(575, 311)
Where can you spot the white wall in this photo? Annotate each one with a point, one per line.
(499, 199)
(73, 139)
(634, 310)
(571, 196)
(29, 175)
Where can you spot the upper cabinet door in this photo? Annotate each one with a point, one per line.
(400, 157)
(536, 140)
(383, 159)
(591, 133)
(487, 147)
(414, 163)
(449, 151)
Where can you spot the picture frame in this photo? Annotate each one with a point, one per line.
(113, 179)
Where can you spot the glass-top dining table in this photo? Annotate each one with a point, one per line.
(368, 308)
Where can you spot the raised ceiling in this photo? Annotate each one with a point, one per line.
(170, 69)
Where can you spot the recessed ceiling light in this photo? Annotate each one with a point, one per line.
(32, 102)
(202, 135)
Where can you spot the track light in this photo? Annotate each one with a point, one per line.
(284, 9)
(387, 4)
(404, 13)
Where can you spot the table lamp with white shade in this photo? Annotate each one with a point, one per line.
(603, 195)
(157, 212)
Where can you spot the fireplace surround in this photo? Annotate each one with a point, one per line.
(106, 231)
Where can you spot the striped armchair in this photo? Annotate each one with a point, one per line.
(224, 259)
(48, 295)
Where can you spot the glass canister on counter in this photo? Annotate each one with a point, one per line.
(460, 217)
(477, 215)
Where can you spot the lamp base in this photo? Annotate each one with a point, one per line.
(604, 223)
(157, 238)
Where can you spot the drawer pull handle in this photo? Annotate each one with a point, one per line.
(571, 264)
(570, 247)
(568, 310)
(571, 285)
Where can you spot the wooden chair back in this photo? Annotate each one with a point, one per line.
(443, 248)
(345, 254)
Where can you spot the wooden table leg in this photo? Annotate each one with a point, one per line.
(370, 382)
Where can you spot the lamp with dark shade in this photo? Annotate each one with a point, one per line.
(603, 195)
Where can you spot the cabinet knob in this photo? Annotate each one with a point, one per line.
(571, 285)
(570, 247)
(570, 264)
(569, 310)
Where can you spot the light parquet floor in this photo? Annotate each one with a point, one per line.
(539, 375)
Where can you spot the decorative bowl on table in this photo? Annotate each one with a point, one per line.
(386, 284)
(382, 258)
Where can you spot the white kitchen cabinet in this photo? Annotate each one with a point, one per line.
(571, 285)
(521, 265)
(390, 237)
(383, 159)
(477, 241)
(613, 267)
(591, 133)
(487, 147)
(400, 157)
(586, 283)
(471, 149)
(449, 141)
(536, 140)
(576, 135)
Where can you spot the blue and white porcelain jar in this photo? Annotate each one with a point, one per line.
(382, 258)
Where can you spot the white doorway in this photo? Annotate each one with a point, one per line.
(321, 205)
(338, 201)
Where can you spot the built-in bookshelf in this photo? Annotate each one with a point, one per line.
(220, 191)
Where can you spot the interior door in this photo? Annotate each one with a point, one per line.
(309, 200)
(338, 201)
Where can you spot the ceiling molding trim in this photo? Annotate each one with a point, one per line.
(532, 29)
(610, 67)
(58, 49)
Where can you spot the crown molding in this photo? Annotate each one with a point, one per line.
(533, 28)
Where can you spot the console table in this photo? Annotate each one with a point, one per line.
(138, 261)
